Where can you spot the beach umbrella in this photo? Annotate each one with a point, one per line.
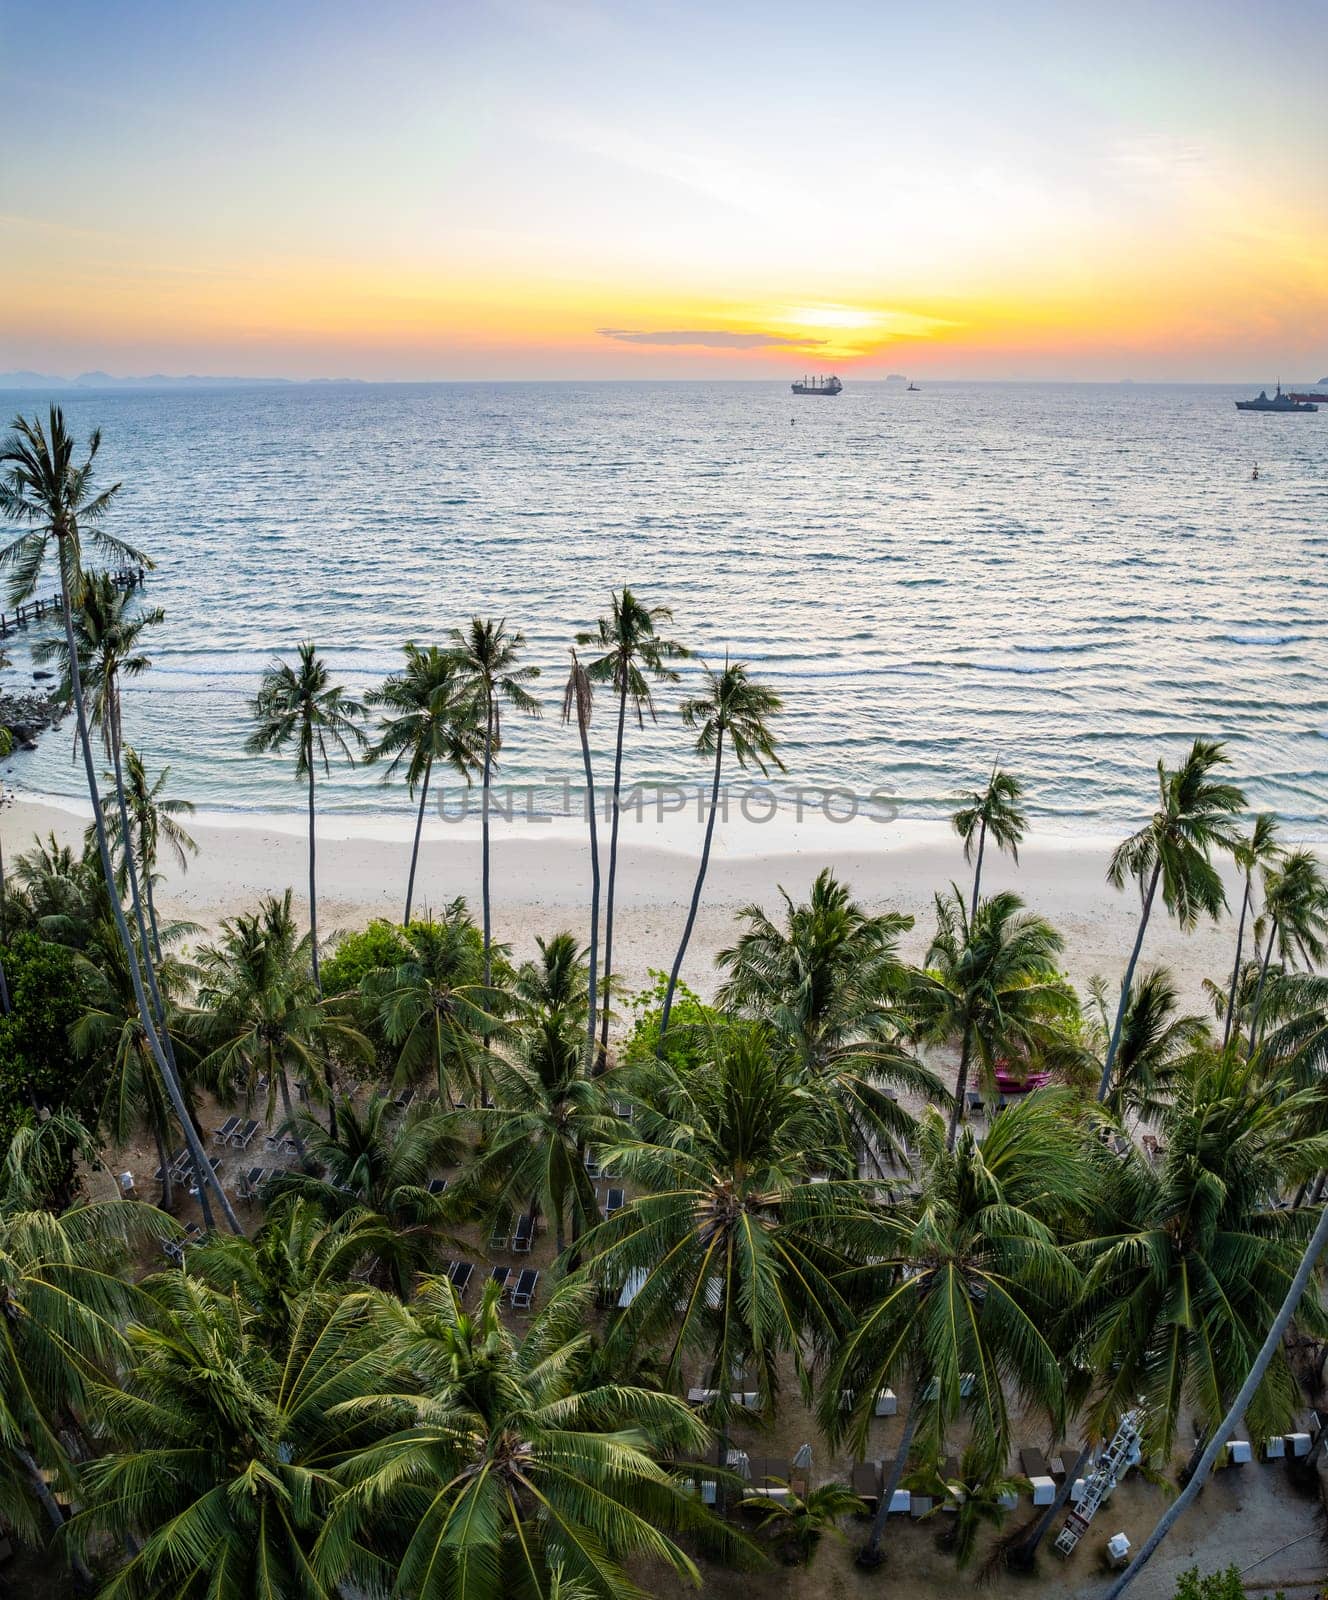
(803, 1458)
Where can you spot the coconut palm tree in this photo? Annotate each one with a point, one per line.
(995, 810)
(732, 1251)
(259, 1015)
(42, 488)
(1155, 1037)
(1185, 1262)
(961, 1287)
(300, 705)
(490, 655)
(1258, 848)
(800, 1522)
(1255, 1379)
(429, 714)
(975, 1495)
(1174, 848)
(153, 823)
(548, 1109)
(635, 657)
(1295, 914)
(64, 1295)
(736, 710)
(435, 1008)
(831, 985)
(222, 1474)
(579, 700)
(991, 983)
(377, 1165)
(517, 1470)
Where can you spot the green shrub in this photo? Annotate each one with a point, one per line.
(36, 1059)
(358, 954)
(1216, 1586)
(692, 1024)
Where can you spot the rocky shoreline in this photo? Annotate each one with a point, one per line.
(27, 715)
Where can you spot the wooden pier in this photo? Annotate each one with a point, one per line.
(31, 610)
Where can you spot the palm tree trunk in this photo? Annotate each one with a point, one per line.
(870, 1553)
(168, 1076)
(4, 936)
(961, 1084)
(163, 1163)
(977, 869)
(51, 1506)
(613, 872)
(313, 889)
(594, 892)
(415, 848)
(1235, 970)
(1258, 993)
(696, 895)
(4, 989)
(152, 916)
(1126, 984)
(484, 835)
(1220, 1435)
(284, 1085)
(1022, 1554)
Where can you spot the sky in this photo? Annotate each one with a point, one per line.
(569, 189)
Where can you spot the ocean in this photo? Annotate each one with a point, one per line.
(1074, 580)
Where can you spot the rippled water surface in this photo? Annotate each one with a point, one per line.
(1076, 579)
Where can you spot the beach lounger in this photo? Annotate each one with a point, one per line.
(613, 1203)
(500, 1236)
(500, 1275)
(223, 1133)
(171, 1166)
(213, 1161)
(1032, 1463)
(592, 1166)
(523, 1290)
(437, 1185)
(525, 1233)
(865, 1481)
(461, 1272)
(975, 1100)
(250, 1184)
(405, 1100)
(242, 1136)
(769, 1473)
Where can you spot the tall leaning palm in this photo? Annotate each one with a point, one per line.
(301, 705)
(1194, 816)
(1295, 914)
(993, 811)
(737, 711)
(634, 656)
(579, 701)
(1258, 848)
(154, 823)
(428, 715)
(490, 654)
(54, 498)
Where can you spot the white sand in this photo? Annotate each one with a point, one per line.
(541, 880)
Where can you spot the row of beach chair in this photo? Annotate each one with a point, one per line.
(236, 1132)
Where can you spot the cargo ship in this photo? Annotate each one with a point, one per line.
(829, 385)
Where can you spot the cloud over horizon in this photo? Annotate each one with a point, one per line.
(711, 338)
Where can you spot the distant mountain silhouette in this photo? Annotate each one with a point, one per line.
(156, 380)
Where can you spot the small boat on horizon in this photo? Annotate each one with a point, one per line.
(818, 385)
(914, 388)
(1279, 402)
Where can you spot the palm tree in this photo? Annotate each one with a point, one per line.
(490, 655)
(1173, 849)
(548, 1110)
(991, 983)
(733, 1252)
(1155, 1037)
(259, 1013)
(1255, 1379)
(736, 709)
(222, 1475)
(1185, 1262)
(63, 1298)
(1258, 848)
(376, 1166)
(153, 822)
(634, 656)
(42, 487)
(429, 715)
(301, 705)
(433, 1006)
(1295, 913)
(960, 1287)
(517, 1471)
(833, 990)
(978, 1493)
(994, 810)
(804, 1521)
(579, 698)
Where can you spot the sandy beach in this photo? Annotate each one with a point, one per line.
(541, 880)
